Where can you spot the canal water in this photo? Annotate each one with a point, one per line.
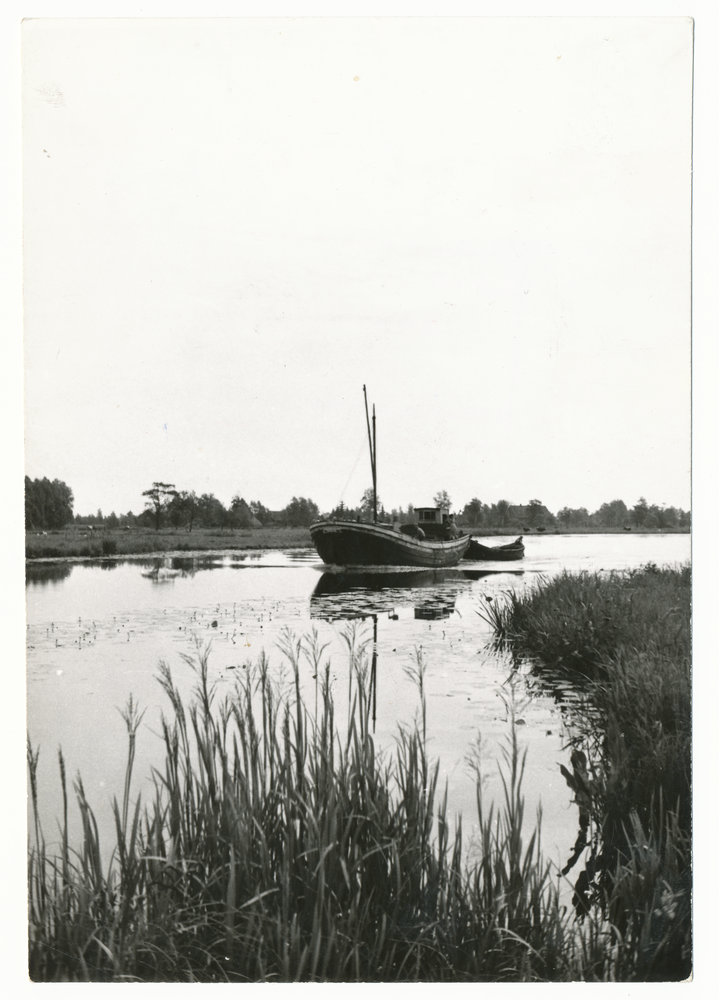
(96, 633)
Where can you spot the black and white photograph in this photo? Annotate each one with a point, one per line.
(357, 407)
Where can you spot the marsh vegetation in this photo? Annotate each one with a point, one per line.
(277, 848)
(83, 543)
(623, 640)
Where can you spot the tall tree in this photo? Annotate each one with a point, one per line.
(181, 509)
(473, 512)
(47, 504)
(640, 510)
(240, 513)
(612, 515)
(442, 499)
(260, 511)
(210, 511)
(367, 503)
(189, 505)
(668, 517)
(158, 498)
(500, 513)
(570, 517)
(300, 512)
(534, 514)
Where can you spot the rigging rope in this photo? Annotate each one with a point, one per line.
(359, 455)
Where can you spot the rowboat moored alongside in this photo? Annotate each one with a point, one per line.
(497, 553)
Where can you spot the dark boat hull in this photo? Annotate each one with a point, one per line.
(496, 553)
(352, 543)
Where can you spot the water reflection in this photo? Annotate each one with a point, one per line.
(543, 682)
(479, 574)
(162, 574)
(373, 674)
(431, 593)
(168, 568)
(41, 574)
(165, 569)
(301, 555)
(435, 610)
(93, 638)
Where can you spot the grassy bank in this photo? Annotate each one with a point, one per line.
(77, 543)
(74, 543)
(624, 641)
(277, 848)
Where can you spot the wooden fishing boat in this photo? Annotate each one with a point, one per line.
(359, 543)
(356, 543)
(498, 553)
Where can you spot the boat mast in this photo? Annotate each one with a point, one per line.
(372, 449)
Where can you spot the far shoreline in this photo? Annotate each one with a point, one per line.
(65, 546)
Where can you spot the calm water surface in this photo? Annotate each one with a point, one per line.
(96, 633)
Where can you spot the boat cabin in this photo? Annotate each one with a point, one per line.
(431, 515)
(436, 522)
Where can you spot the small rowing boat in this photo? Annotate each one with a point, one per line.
(498, 553)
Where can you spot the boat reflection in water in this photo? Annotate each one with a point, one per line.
(350, 595)
(347, 595)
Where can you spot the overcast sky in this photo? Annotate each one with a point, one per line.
(230, 226)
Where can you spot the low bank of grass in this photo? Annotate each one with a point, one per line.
(276, 848)
(623, 642)
(72, 542)
(559, 529)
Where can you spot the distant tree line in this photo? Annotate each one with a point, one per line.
(614, 514)
(49, 505)
(167, 506)
(185, 510)
(532, 515)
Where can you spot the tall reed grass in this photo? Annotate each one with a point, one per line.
(623, 641)
(276, 847)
